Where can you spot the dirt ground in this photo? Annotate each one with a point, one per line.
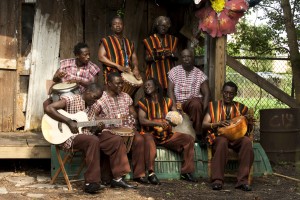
(268, 187)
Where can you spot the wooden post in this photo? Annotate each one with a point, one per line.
(219, 71)
(45, 51)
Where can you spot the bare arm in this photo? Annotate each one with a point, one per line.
(171, 94)
(146, 122)
(207, 124)
(102, 56)
(205, 91)
(51, 110)
(135, 64)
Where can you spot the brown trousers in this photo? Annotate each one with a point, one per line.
(194, 108)
(138, 160)
(243, 147)
(89, 144)
(179, 142)
(114, 148)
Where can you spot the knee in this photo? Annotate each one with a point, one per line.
(221, 142)
(246, 142)
(93, 141)
(138, 139)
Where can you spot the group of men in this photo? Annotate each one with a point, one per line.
(182, 88)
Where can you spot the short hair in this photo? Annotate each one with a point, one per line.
(78, 47)
(230, 84)
(112, 75)
(115, 17)
(157, 20)
(94, 87)
(189, 50)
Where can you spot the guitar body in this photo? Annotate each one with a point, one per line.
(237, 128)
(56, 132)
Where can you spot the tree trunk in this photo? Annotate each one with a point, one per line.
(293, 45)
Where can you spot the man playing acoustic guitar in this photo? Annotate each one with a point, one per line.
(88, 142)
(218, 117)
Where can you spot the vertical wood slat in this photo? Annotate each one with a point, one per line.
(45, 51)
(9, 22)
(96, 27)
(7, 99)
(71, 31)
(220, 66)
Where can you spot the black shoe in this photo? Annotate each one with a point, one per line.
(92, 188)
(142, 180)
(244, 187)
(153, 179)
(121, 184)
(188, 177)
(216, 186)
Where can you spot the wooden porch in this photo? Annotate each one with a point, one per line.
(23, 145)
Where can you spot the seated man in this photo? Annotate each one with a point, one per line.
(189, 91)
(152, 111)
(217, 116)
(115, 104)
(90, 142)
(78, 70)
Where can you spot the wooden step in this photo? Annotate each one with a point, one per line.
(23, 145)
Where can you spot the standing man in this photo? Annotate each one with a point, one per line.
(161, 51)
(218, 114)
(91, 141)
(115, 104)
(78, 70)
(188, 88)
(153, 109)
(116, 52)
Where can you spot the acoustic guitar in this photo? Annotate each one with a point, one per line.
(56, 132)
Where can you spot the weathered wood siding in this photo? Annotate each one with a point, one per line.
(9, 22)
(45, 52)
(71, 30)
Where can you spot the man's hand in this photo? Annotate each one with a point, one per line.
(73, 126)
(100, 126)
(136, 74)
(123, 69)
(223, 123)
(60, 74)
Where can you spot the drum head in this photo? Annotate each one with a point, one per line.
(64, 86)
(123, 131)
(129, 77)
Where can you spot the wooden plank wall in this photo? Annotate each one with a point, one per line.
(71, 30)
(9, 22)
(96, 27)
(45, 52)
(9, 31)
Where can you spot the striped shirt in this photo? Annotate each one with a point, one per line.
(107, 107)
(153, 112)
(186, 84)
(85, 73)
(74, 104)
(160, 68)
(217, 111)
(117, 51)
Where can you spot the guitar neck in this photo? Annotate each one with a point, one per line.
(96, 122)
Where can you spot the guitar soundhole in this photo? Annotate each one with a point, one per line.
(60, 126)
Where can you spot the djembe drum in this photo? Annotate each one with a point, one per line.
(131, 84)
(63, 89)
(237, 128)
(127, 134)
